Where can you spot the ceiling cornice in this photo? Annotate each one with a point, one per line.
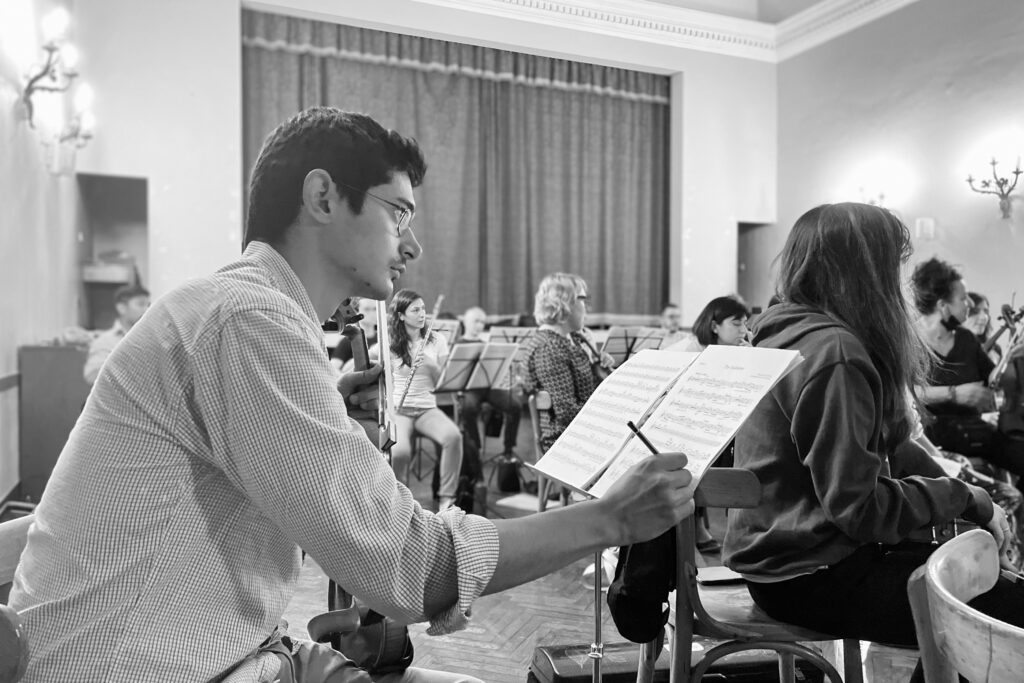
(664, 24)
(826, 20)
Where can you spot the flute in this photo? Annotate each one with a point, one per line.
(421, 347)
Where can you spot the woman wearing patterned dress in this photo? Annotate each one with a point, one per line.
(556, 362)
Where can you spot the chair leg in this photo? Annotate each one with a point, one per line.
(853, 671)
(648, 656)
(787, 667)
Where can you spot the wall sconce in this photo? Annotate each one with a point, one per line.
(56, 75)
(1001, 187)
(60, 66)
(62, 147)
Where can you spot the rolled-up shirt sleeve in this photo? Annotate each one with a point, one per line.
(279, 430)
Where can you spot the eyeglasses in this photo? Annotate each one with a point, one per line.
(403, 214)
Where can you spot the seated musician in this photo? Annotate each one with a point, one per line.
(556, 359)
(215, 447)
(417, 356)
(722, 321)
(817, 551)
(979, 323)
(956, 391)
(502, 399)
(671, 320)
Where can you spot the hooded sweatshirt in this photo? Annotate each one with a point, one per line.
(815, 443)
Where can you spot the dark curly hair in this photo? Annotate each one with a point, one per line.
(933, 282)
(354, 150)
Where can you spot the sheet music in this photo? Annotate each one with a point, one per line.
(599, 430)
(702, 412)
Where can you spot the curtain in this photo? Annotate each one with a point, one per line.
(535, 165)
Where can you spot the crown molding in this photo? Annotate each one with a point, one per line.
(664, 24)
(637, 20)
(829, 19)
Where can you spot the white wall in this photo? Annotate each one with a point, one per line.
(38, 247)
(167, 77)
(905, 106)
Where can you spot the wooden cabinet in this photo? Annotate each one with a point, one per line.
(52, 395)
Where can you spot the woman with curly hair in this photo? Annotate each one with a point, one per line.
(557, 358)
(956, 392)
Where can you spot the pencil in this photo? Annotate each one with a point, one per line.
(643, 439)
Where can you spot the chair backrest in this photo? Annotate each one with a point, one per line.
(954, 637)
(13, 649)
(538, 401)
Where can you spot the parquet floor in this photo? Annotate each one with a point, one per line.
(498, 645)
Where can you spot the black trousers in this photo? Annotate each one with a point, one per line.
(865, 596)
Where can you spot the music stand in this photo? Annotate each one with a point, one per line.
(647, 338)
(617, 343)
(493, 364)
(449, 329)
(458, 367)
(516, 335)
(624, 342)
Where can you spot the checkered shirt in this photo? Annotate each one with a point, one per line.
(214, 445)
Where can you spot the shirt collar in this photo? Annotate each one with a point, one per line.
(283, 276)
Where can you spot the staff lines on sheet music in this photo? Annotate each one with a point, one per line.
(590, 427)
(739, 386)
(708, 410)
(716, 398)
(686, 423)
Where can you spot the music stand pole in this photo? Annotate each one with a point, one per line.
(597, 647)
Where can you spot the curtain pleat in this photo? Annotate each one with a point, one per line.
(535, 164)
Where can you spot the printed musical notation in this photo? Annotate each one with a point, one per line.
(599, 431)
(699, 414)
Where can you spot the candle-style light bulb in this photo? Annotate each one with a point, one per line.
(84, 98)
(69, 59)
(55, 25)
(87, 123)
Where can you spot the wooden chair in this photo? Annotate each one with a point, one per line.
(13, 647)
(537, 402)
(727, 612)
(953, 637)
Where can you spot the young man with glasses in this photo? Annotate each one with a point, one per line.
(215, 448)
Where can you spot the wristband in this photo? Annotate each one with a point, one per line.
(951, 390)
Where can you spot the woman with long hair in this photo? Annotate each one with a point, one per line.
(979, 322)
(417, 361)
(827, 546)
